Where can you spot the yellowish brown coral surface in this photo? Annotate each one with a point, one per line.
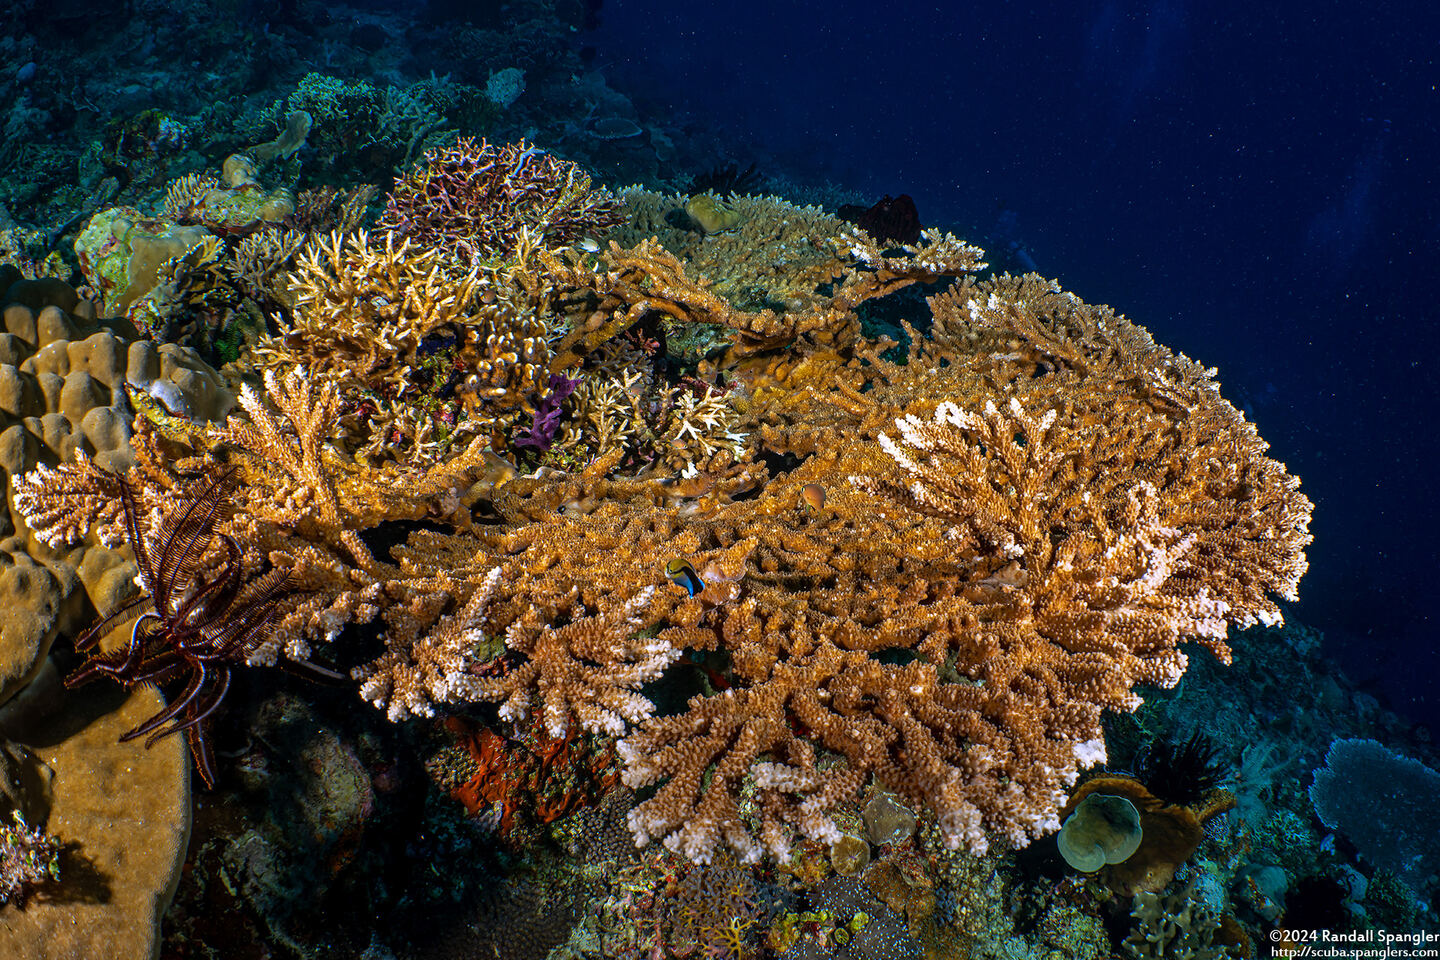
(1014, 528)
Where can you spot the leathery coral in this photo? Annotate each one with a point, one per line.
(1019, 524)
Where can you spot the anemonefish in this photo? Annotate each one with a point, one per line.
(682, 572)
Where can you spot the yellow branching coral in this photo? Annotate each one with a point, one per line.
(425, 355)
(775, 256)
(685, 428)
(787, 271)
(965, 560)
(260, 261)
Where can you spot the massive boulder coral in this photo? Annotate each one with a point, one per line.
(63, 378)
(121, 814)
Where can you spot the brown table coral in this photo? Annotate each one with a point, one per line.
(1019, 524)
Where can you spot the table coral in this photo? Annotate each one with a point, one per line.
(1018, 526)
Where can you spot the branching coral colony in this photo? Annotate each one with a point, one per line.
(965, 560)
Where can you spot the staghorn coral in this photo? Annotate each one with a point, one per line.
(686, 428)
(1016, 527)
(260, 261)
(299, 504)
(758, 294)
(1181, 925)
(425, 356)
(186, 192)
(1074, 550)
(329, 209)
(473, 201)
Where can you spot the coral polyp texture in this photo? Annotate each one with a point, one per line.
(934, 575)
(474, 200)
(425, 356)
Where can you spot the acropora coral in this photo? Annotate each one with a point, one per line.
(473, 201)
(936, 574)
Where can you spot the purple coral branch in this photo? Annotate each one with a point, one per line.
(546, 423)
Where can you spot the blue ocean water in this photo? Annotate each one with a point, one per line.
(1255, 184)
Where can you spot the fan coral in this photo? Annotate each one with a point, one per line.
(1383, 802)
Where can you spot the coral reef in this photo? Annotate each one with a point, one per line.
(582, 489)
(208, 266)
(583, 482)
(1036, 560)
(205, 617)
(1375, 797)
(475, 201)
(778, 260)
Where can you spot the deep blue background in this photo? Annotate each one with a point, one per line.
(1257, 187)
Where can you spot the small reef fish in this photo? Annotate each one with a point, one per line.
(682, 572)
(812, 498)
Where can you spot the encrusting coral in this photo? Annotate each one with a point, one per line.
(938, 574)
